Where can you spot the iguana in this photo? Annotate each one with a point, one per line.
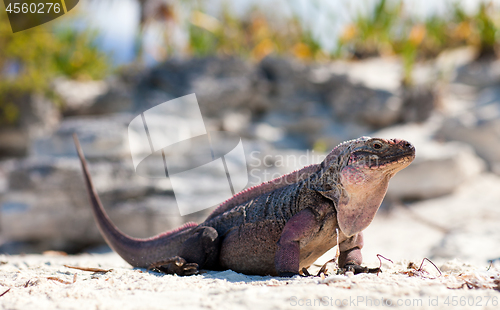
(278, 227)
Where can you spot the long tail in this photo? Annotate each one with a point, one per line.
(137, 252)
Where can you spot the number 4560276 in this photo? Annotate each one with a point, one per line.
(41, 8)
(472, 301)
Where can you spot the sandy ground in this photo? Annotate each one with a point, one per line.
(43, 282)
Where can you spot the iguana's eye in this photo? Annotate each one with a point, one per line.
(377, 145)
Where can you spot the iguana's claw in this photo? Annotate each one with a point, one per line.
(290, 274)
(176, 265)
(305, 272)
(357, 269)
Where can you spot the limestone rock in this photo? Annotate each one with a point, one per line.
(219, 83)
(479, 127)
(479, 73)
(374, 73)
(372, 93)
(38, 117)
(46, 199)
(93, 97)
(373, 107)
(438, 168)
(78, 95)
(101, 137)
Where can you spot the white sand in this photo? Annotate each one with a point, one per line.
(128, 288)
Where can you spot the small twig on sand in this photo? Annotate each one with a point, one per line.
(426, 259)
(59, 280)
(380, 266)
(491, 265)
(419, 271)
(89, 269)
(5, 292)
(63, 281)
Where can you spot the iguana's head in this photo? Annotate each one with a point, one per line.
(365, 166)
(374, 159)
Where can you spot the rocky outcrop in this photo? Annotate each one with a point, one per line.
(93, 97)
(478, 126)
(102, 137)
(36, 117)
(439, 168)
(46, 202)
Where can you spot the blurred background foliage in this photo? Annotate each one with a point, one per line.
(387, 30)
(29, 62)
(254, 37)
(31, 59)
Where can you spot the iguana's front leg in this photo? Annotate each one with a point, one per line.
(350, 255)
(302, 225)
(350, 250)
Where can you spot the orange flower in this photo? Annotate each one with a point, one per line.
(349, 33)
(264, 48)
(301, 51)
(417, 34)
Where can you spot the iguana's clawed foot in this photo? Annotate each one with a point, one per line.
(304, 274)
(176, 265)
(289, 274)
(357, 269)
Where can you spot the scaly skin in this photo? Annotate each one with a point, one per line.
(278, 227)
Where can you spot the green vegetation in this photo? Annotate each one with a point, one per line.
(254, 36)
(372, 34)
(31, 59)
(387, 30)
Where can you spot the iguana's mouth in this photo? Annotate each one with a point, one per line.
(375, 161)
